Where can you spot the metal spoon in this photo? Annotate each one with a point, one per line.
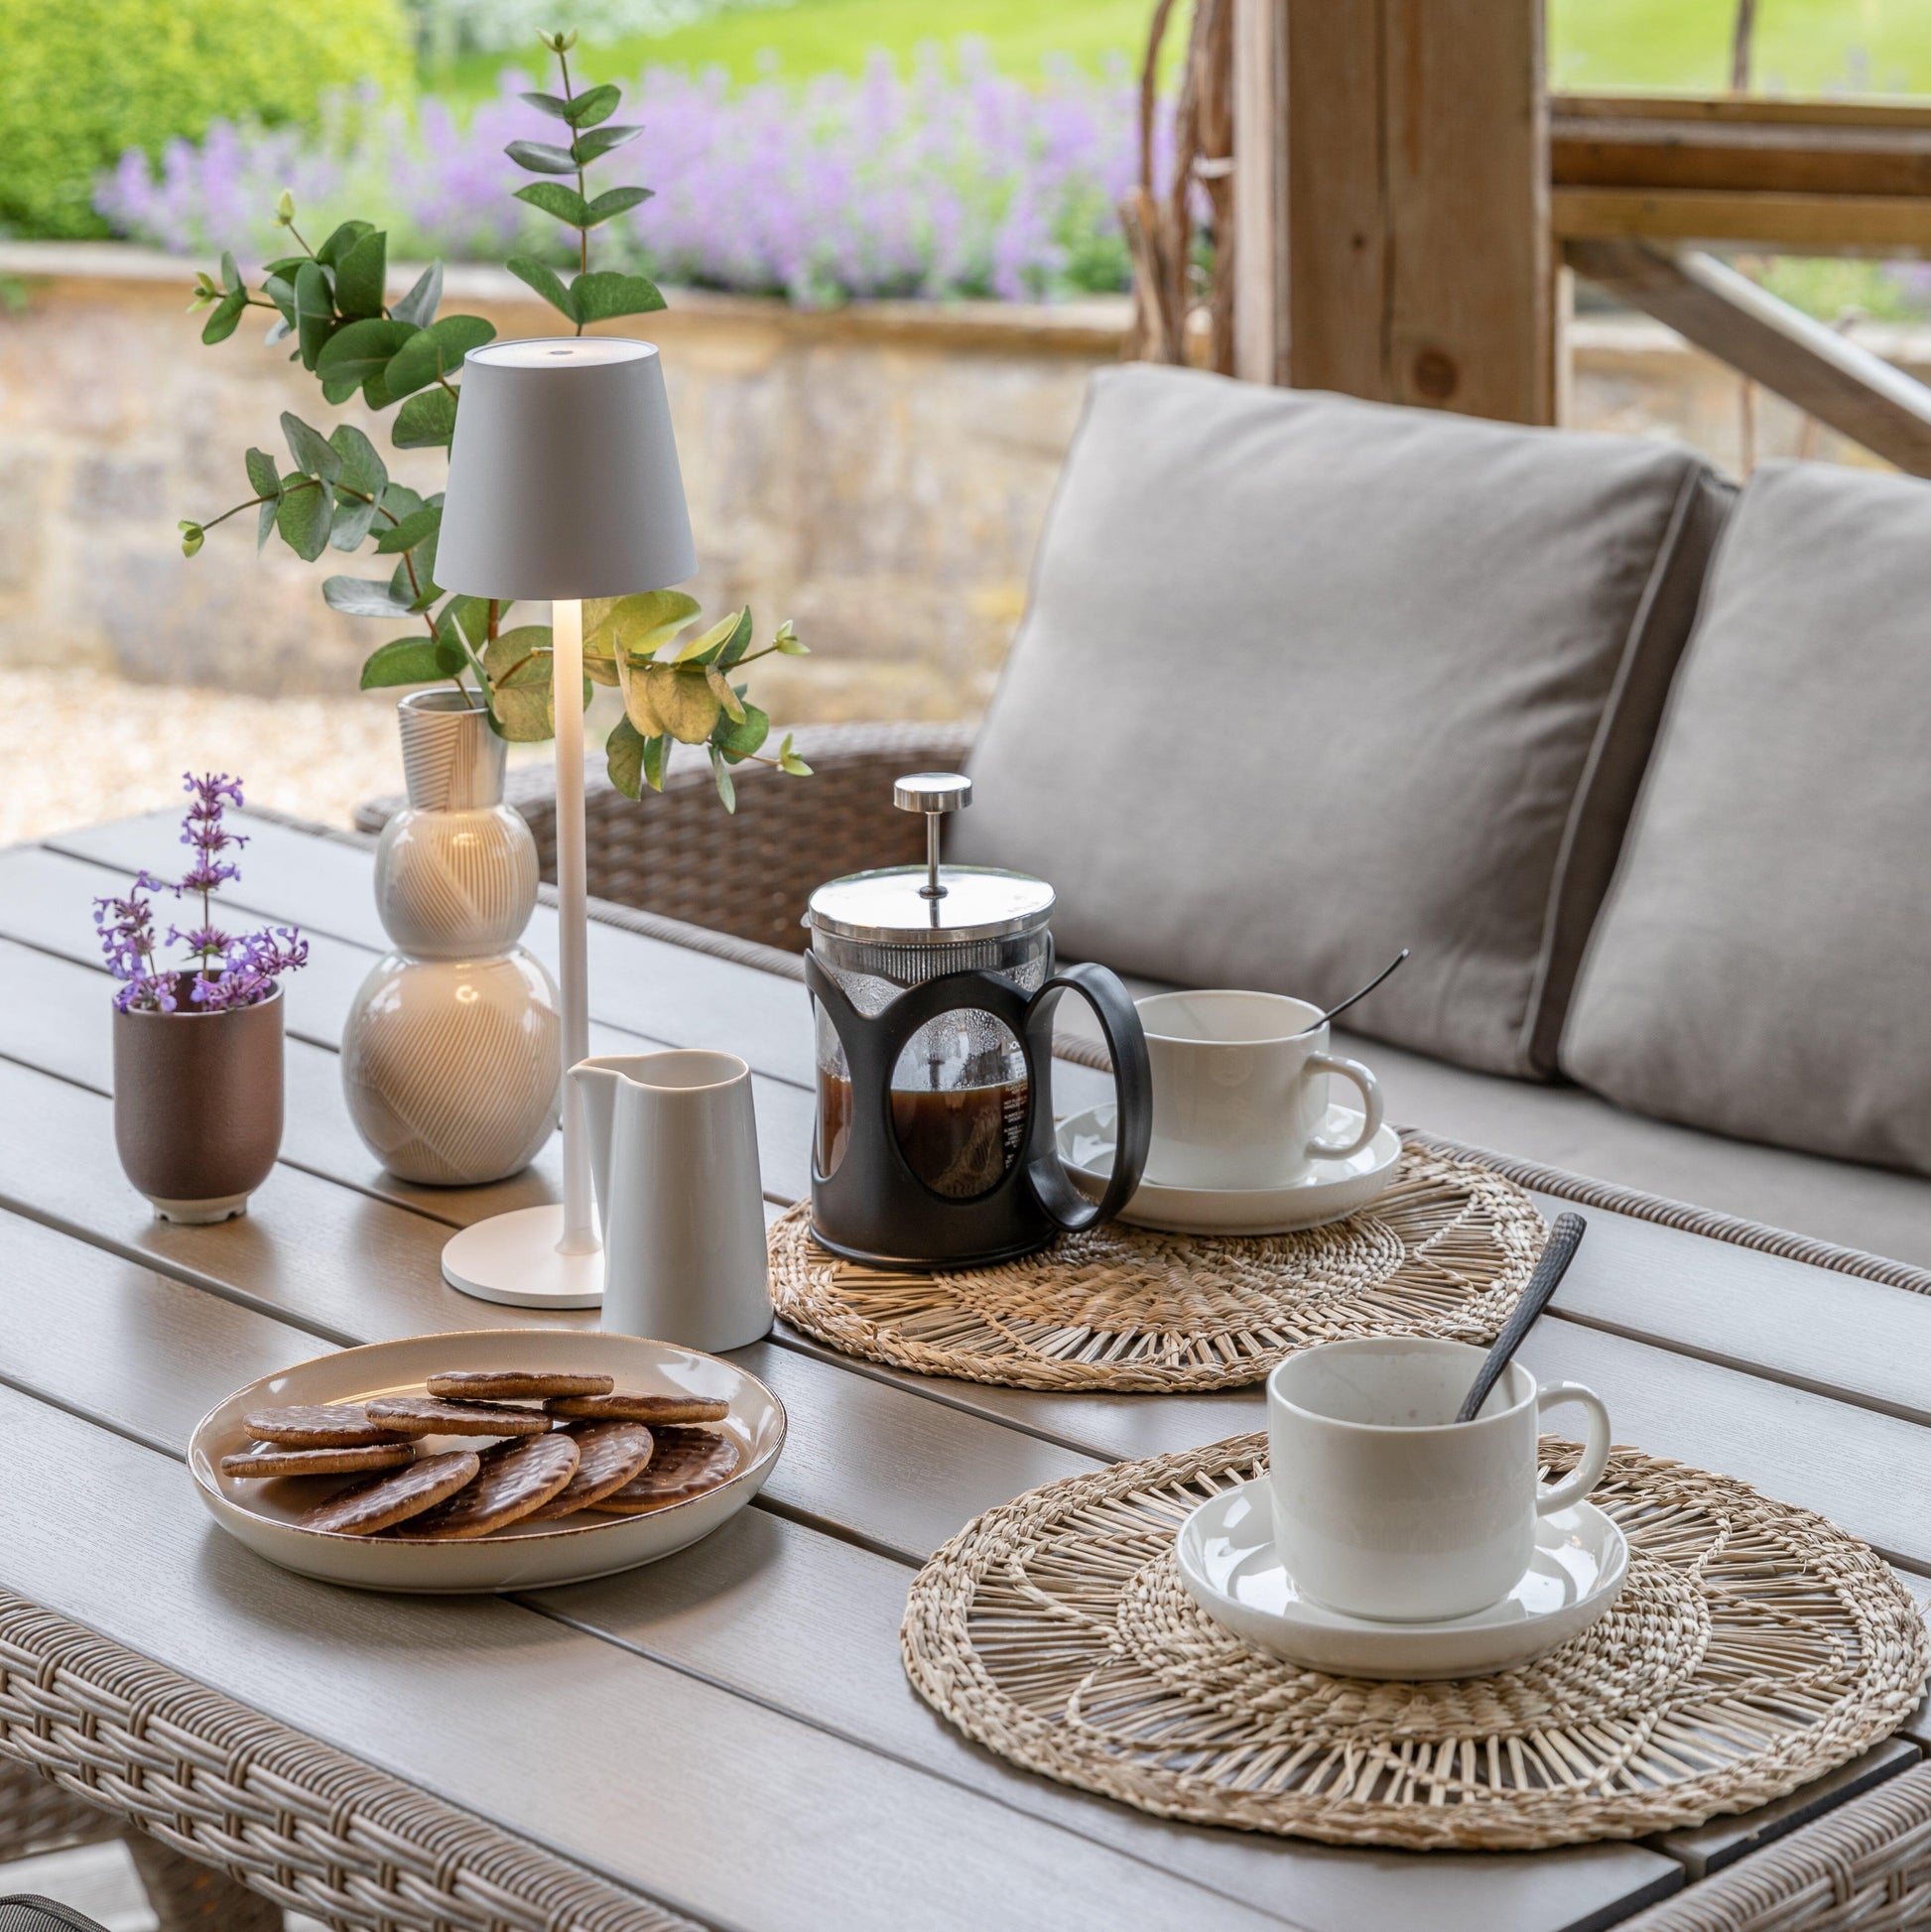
(1363, 994)
(1563, 1238)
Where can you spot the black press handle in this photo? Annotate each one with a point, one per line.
(1120, 1024)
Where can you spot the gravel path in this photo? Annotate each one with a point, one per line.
(79, 746)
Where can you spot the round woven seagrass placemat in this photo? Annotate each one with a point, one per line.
(1754, 1647)
(1444, 1250)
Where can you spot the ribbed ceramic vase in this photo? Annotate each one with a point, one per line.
(451, 1060)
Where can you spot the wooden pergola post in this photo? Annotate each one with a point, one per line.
(1392, 223)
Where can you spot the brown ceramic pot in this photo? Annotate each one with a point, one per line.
(198, 1105)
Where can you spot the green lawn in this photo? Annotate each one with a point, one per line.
(1802, 46)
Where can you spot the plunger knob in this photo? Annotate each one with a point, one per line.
(935, 792)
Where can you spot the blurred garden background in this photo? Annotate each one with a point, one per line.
(889, 231)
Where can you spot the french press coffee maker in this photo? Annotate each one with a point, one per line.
(934, 992)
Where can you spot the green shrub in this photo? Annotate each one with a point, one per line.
(82, 80)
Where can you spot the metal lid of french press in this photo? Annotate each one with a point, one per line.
(931, 904)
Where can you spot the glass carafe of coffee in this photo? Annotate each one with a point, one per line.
(934, 993)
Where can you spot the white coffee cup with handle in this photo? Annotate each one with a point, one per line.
(1384, 1505)
(1240, 1090)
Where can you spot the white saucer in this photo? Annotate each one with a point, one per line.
(1331, 1190)
(1228, 1562)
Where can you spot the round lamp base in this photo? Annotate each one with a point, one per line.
(512, 1258)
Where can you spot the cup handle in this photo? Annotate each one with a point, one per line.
(1371, 1089)
(1596, 1447)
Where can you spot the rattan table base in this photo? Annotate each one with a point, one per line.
(1754, 1647)
(1444, 1251)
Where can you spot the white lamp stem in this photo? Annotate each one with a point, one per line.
(567, 673)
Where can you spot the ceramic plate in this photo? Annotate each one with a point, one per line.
(1227, 1559)
(1331, 1190)
(260, 1514)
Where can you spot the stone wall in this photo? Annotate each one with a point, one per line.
(879, 474)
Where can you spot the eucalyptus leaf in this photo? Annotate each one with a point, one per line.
(593, 104)
(280, 290)
(342, 240)
(466, 620)
(265, 522)
(361, 275)
(551, 104)
(360, 596)
(545, 281)
(636, 627)
(542, 158)
(411, 531)
(637, 706)
(435, 351)
(314, 454)
(426, 421)
(623, 758)
(553, 197)
(277, 330)
(362, 468)
(231, 275)
(226, 316)
(596, 141)
(303, 516)
(315, 311)
(657, 753)
(739, 738)
(409, 660)
(412, 583)
(615, 201)
(790, 762)
(720, 688)
(705, 646)
(726, 788)
(263, 477)
(361, 350)
(684, 700)
(418, 307)
(353, 516)
(603, 293)
(400, 500)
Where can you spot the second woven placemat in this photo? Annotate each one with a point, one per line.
(1754, 1647)
(1444, 1251)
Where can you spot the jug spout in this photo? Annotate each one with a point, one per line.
(598, 1084)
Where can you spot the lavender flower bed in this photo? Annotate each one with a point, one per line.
(952, 180)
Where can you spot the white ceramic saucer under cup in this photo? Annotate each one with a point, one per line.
(1226, 1550)
(522, 1556)
(1331, 1190)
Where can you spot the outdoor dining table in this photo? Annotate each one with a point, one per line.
(726, 1737)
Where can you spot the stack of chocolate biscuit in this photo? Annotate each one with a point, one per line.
(589, 1446)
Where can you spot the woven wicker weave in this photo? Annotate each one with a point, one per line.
(677, 854)
(1444, 1251)
(1754, 1647)
(296, 1820)
(1864, 1868)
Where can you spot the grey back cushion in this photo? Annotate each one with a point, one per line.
(1305, 680)
(1763, 964)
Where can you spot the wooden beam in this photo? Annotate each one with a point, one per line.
(1803, 224)
(1855, 392)
(1260, 239)
(1420, 267)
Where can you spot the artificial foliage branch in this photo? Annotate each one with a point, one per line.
(336, 493)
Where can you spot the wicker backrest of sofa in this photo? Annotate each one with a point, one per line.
(678, 853)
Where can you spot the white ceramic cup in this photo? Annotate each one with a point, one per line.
(1240, 1090)
(1384, 1505)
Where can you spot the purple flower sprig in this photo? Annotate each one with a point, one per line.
(220, 972)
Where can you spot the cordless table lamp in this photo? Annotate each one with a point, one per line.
(563, 484)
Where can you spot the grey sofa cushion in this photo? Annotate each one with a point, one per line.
(1305, 680)
(1763, 964)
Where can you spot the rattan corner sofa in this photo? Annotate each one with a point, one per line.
(1632, 759)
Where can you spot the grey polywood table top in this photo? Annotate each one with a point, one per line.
(729, 1732)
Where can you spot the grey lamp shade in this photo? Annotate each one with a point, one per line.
(563, 479)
